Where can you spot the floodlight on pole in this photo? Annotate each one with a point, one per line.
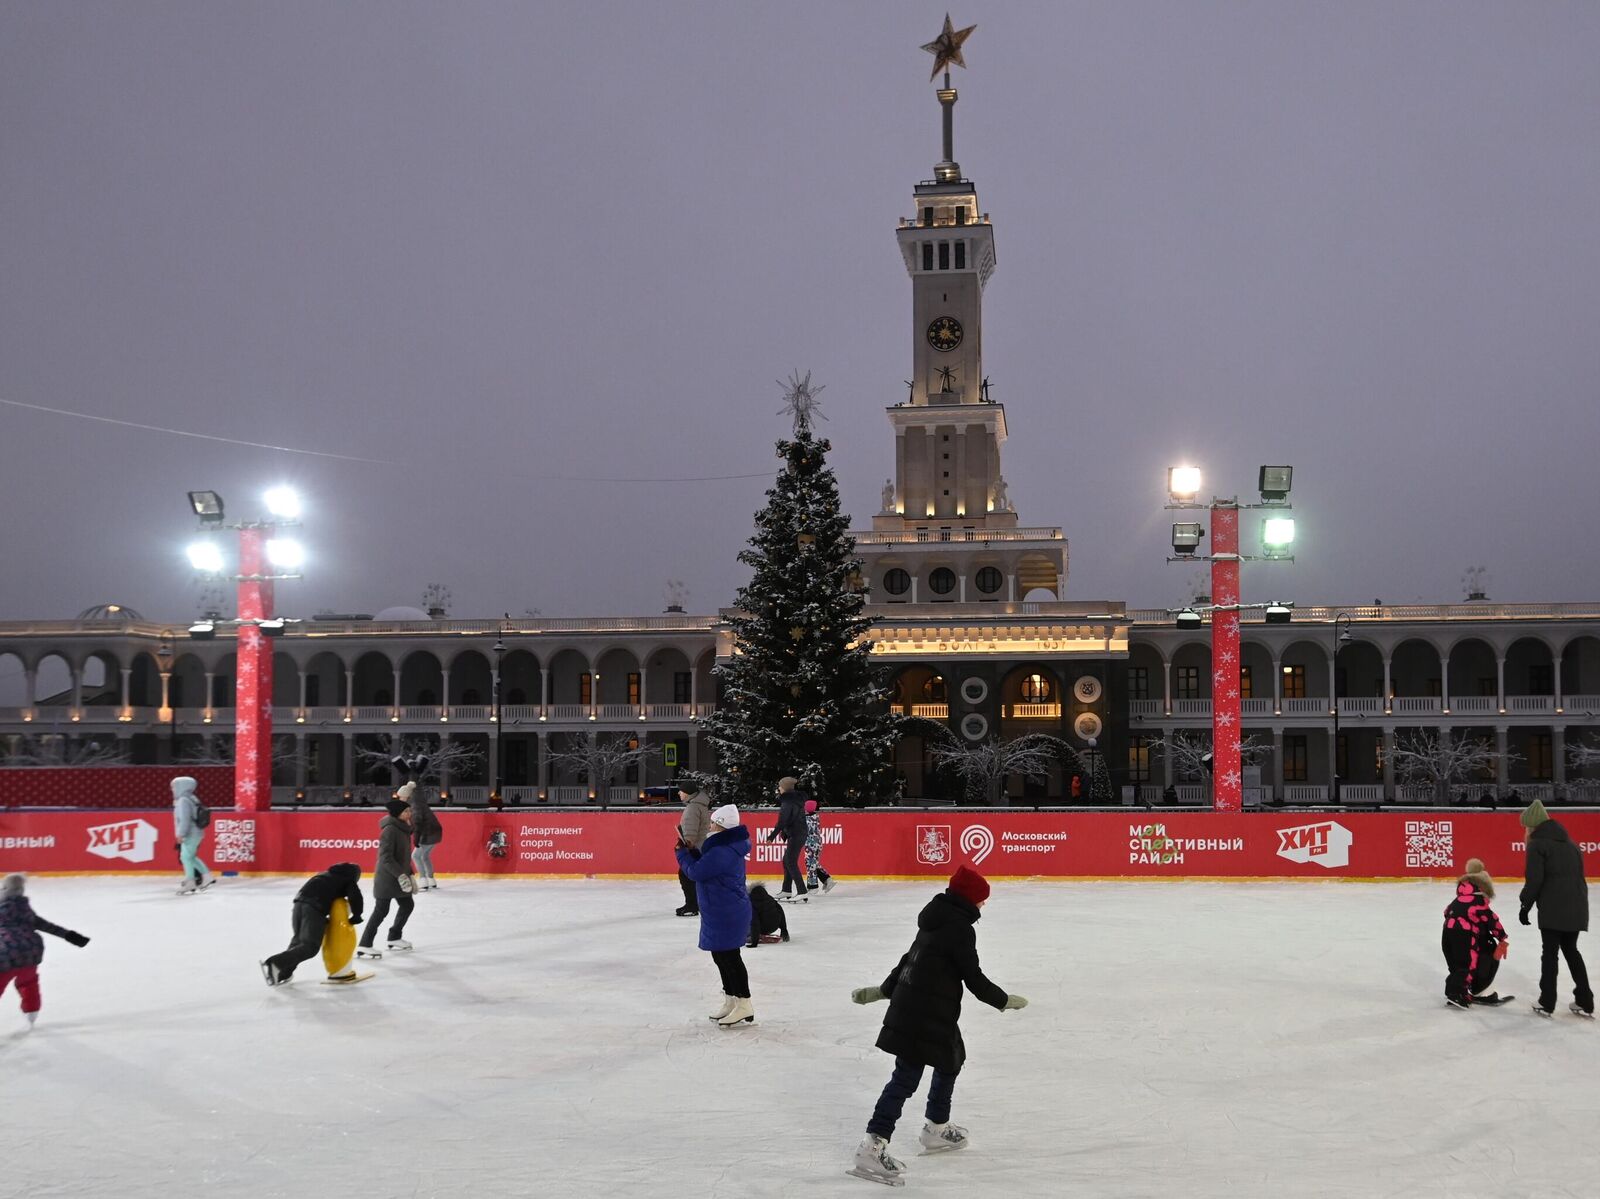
(1190, 619)
(205, 557)
(1186, 537)
(1277, 536)
(203, 630)
(1183, 482)
(283, 502)
(1274, 482)
(207, 506)
(1279, 613)
(286, 554)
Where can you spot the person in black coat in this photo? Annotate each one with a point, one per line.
(922, 1026)
(791, 826)
(312, 904)
(768, 921)
(1555, 882)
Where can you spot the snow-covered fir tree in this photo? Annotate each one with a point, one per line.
(801, 695)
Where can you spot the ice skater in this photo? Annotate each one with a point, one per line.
(189, 820)
(21, 946)
(1555, 882)
(308, 920)
(791, 826)
(392, 881)
(768, 921)
(1474, 941)
(816, 876)
(921, 1027)
(426, 832)
(717, 868)
(693, 826)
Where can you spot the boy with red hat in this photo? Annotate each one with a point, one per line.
(922, 1029)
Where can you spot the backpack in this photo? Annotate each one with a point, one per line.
(202, 815)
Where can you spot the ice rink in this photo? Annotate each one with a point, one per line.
(550, 1038)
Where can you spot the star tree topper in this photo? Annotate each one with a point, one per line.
(800, 400)
(946, 48)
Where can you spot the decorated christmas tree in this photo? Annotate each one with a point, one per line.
(800, 695)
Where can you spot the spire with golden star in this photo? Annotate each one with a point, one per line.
(946, 49)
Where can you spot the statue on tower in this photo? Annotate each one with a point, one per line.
(888, 496)
(1002, 502)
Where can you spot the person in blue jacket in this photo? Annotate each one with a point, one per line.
(717, 870)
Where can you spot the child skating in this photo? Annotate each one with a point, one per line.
(313, 908)
(816, 876)
(189, 820)
(921, 1028)
(1474, 941)
(21, 946)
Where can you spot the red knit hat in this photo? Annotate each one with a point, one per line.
(969, 885)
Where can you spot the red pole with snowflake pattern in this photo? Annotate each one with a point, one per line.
(1227, 790)
(252, 705)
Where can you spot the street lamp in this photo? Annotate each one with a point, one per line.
(1094, 764)
(1341, 634)
(499, 733)
(165, 656)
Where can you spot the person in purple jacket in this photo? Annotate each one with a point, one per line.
(21, 946)
(717, 871)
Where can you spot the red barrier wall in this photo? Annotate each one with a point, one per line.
(108, 786)
(860, 844)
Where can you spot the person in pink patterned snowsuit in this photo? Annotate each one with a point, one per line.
(1473, 940)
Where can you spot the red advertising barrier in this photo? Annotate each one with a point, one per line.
(108, 786)
(1002, 844)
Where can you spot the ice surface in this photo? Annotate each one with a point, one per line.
(549, 1038)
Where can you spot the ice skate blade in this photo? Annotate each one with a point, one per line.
(1578, 1011)
(735, 1023)
(1541, 1012)
(885, 1179)
(931, 1150)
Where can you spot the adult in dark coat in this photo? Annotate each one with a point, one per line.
(717, 868)
(791, 827)
(1555, 882)
(426, 832)
(922, 1026)
(309, 920)
(392, 880)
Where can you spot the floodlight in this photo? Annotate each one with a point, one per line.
(203, 630)
(271, 628)
(205, 557)
(207, 506)
(1209, 761)
(1280, 613)
(1274, 481)
(1277, 536)
(283, 502)
(1190, 619)
(1183, 482)
(285, 553)
(1186, 538)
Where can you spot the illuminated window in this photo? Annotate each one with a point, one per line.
(989, 580)
(896, 582)
(633, 688)
(585, 688)
(1294, 682)
(1035, 689)
(1139, 759)
(1246, 685)
(943, 580)
(1294, 758)
(934, 690)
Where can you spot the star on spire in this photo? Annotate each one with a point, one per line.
(946, 49)
(800, 400)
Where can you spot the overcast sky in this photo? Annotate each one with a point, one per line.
(523, 251)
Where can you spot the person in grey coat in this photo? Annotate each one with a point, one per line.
(187, 826)
(693, 827)
(1555, 882)
(426, 832)
(392, 880)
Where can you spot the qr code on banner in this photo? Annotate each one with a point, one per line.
(1430, 844)
(236, 841)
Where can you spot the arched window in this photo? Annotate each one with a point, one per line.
(942, 581)
(1035, 689)
(989, 580)
(934, 690)
(470, 696)
(896, 582)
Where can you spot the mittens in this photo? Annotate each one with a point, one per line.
(1013, 1002)
(77, 939)
(1522, 917)
(408, 883)
(1501, 950)
(866, 994)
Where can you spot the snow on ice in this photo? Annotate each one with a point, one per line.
(1195, 1039)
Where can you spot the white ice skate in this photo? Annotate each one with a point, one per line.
(1578, 1011)
(32, 1016)
(742, 1012)
(875, 1165)
(790, 897)
(187, 887)
(940, 1138)
(828, 886)
(374, 952)
(399, 945)
(727, 1006)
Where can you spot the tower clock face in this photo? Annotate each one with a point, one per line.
(944, 333)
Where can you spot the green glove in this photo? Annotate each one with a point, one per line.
(867, 994)
(1013, 1002)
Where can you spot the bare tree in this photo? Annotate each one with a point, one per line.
(219, 751)
(455, 757)
(1584, 754)
(1188, 752)
(1438, 760)
(600, 759)
(51, 751)
(985, 764)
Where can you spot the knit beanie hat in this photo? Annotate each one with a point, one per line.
(811, 806)
(727, 816)
(788, 783)
(12, 885)
(1475, 873)
(407, 790)
(1534, 815)
(969, 885)
(395, 807)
